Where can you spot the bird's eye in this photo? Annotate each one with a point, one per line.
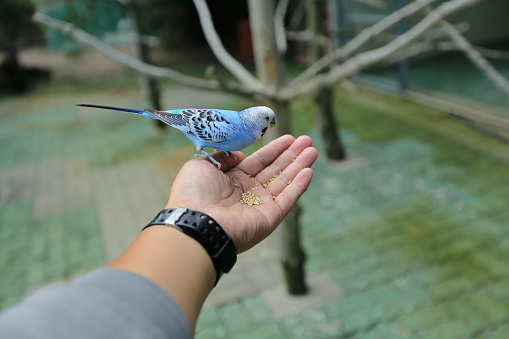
(266, 118)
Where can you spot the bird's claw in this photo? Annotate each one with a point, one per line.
(204, 154)
(230, 153)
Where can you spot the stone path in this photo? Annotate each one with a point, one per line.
(408, 239)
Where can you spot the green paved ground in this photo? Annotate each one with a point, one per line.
(413, 229)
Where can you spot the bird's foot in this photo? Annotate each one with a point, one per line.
(204, 154)
(230, 153)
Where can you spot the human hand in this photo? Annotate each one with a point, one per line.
(277, 174)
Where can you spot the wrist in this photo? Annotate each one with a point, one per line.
(204, 230)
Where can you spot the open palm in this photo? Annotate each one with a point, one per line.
(248, 197)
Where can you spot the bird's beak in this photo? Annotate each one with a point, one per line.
(273, 122)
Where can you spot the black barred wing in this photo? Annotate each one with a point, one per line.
(214, 126)
(210, 125)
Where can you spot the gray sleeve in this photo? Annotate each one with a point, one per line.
(105, 303)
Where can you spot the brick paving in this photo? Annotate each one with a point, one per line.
(407, 239)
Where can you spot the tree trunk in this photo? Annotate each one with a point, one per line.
(11, 73)
(270, 71)
(329, 129)
(293, 256)
(149, 86)
(334, 148)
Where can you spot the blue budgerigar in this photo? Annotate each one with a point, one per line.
(217, 128)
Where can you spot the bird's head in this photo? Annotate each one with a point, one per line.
(262, 118)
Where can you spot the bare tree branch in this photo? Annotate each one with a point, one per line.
(474, 55)
(307, 36)
(492, 53)
(220, 52)
(429, 39)
(445, 46)
(359, 40)
(279, 25)
(438, 33)
(298, 14)
(155, 71)
(309, 80)
(430, 42)
(478, 59)
(366, 59)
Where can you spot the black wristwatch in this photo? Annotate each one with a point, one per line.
(206, 231)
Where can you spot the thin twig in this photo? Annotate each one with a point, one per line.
(366, 59)
(307, 36)
(298, 14)
(214, 41)
(279, 25)
(492, 53)
(474, 55)
(358, 41)
(155, 71)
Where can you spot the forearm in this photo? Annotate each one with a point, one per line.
(106, 303)
(175, 262)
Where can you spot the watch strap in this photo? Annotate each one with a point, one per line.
(206, 231)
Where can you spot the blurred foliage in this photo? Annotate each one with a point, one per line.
(16, 22)
(96, 17)
(16, 30)
(176, 22)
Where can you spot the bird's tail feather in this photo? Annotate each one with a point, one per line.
(128, 110)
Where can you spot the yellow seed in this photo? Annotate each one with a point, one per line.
(250, 199)
(289, 182)
(236, 185)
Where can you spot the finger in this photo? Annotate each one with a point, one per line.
(280, 181)
(228, 161)
(289, 196)
(262, 158)
(289, 156)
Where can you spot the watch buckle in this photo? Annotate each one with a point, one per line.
(175, 216)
